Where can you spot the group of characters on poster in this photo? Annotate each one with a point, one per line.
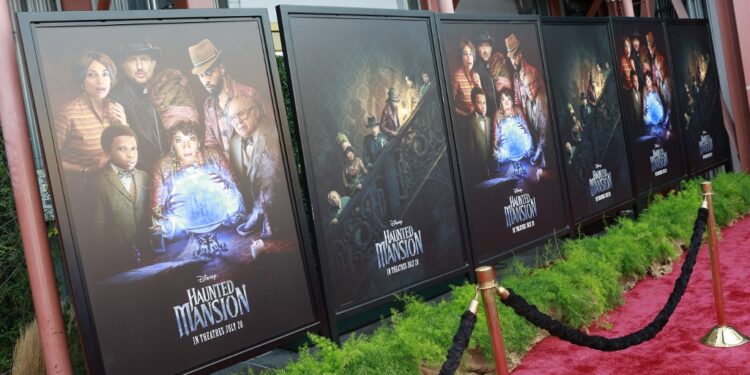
(396, 112)
(582, 121)
(134, 147)
(698, 103)
(501, 99)
(590, 128)
(646, 80)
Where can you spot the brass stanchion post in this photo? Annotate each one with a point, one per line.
(488, 287)
(721, 335)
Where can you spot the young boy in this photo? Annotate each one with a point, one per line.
(121, 216)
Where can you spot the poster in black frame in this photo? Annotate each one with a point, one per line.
(509, 168)
(587, 108)
(375, 148)
(648, 103)
(696, 79)
(177, 256)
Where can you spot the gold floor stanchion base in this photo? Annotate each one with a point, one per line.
(724, 337)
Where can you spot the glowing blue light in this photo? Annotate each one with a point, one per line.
(204, 199)
(654, 113)
(515, 140)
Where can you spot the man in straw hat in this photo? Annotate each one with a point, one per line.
(208, 66)
(658, 68)
(389, 122)
(521, 67)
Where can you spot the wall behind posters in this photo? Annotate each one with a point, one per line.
(374, 142)
(697, 86)
(587, 109)
(505, 140)
(210, 287)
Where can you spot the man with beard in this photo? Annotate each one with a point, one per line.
(209, 68)
(138, 61)
(489, 62)
(659, 67)
(640, 56)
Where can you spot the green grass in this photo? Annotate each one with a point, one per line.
(16, 307)
(578, 288)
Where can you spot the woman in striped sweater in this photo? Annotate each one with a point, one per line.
(79, 123)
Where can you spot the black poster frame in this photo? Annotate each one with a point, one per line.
(647, 191)
(466, 18)
(29, 24)
(631, 199)
(285, 15)
(707, 26)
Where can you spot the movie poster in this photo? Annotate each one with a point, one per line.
(698, 93)
(504, 132)
(648, 103)
(373, 132)
(588, 116)
(166, 136)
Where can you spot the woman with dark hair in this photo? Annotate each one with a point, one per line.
(655, 117)
(464, 79)
(193, 189)
(512, 142)
(80, 122)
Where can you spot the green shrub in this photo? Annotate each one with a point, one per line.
(577, 289)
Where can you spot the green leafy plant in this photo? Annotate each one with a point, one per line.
(580, 281)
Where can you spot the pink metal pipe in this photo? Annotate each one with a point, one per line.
(29, 206)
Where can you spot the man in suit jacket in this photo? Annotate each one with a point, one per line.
(254, 154)
(121, 216)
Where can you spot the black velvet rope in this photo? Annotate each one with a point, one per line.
(556, 328)
(460, 340)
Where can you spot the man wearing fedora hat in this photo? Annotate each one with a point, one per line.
(374, 143)
(521, 67)
(389, 122)
(208, 66)
(138, 60)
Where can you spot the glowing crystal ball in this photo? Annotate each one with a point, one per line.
(515, 140)
(204, 200)
(654, 113)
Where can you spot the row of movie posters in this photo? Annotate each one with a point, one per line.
(429, 144)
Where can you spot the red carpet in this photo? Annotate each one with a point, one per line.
(676, 349)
